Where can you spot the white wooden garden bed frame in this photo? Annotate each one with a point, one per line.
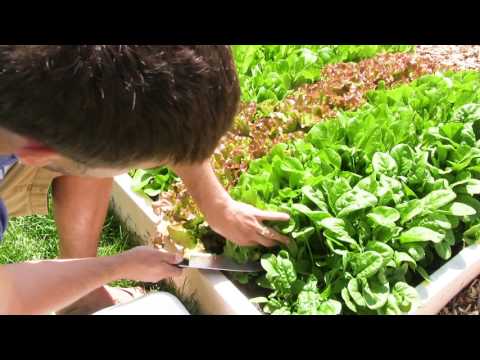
(217, 295)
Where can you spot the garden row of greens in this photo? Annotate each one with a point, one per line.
(271, 71)
(378, 198)
(267, 74)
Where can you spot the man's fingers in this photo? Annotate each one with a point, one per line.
(249, 243)
(272, 216)
(265, 242)
(171, 270)
(273, 235)
(169, 257)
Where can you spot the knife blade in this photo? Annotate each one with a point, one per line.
(218, 262)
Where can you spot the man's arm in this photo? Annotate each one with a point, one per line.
(238, 222)
(45, 286)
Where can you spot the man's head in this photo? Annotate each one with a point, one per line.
(116, 106)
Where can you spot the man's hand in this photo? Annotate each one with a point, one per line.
(238, 222)
(242, 224)
(148, 264)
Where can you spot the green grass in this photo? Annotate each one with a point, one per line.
(36, 238)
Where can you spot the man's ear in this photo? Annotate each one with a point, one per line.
(36, 154)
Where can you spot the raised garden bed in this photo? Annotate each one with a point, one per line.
(217, 295)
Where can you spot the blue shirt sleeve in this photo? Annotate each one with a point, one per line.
(3, 219)
(5, 162)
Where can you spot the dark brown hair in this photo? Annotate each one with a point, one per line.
(111, 105)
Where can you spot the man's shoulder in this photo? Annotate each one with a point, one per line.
(6, 162)
(7, 159)
(3, 219)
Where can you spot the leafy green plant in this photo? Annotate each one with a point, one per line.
(377, 198)
(269, 72)
(153, 181)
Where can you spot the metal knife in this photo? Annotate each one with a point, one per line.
(218, 262)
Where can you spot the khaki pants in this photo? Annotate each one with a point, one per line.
(24, 190)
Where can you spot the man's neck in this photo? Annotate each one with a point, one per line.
(9, 142)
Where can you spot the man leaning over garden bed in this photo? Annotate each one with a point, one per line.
(73, 117)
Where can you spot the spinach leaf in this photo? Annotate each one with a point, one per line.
(354, 200)
(420, 234)
(385, 164)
